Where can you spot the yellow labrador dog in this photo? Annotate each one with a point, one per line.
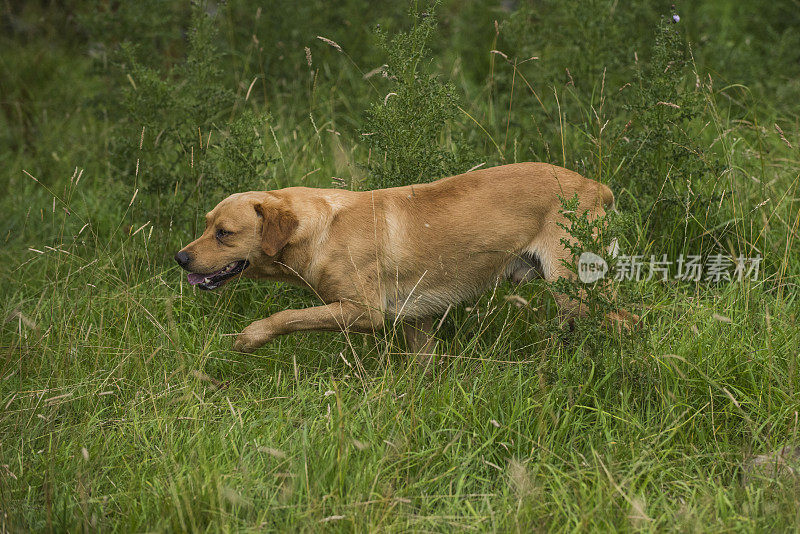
(406, 252)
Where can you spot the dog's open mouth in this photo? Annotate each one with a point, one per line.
(214, 280)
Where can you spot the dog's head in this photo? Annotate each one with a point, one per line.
(243, 229)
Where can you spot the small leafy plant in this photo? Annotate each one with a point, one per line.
(591, 238)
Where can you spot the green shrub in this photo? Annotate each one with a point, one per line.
(407, 129)
(665, 164)
(557, 64)
(183, 139)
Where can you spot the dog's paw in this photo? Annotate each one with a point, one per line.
(623, 319)
(244, 344)
(252, 337)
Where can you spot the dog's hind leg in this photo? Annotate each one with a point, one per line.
(568, 307)
(420, 340)
(553, 258)
(419, 335)
(337, 316)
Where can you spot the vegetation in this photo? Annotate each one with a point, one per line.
(122, 405)
(406, 130)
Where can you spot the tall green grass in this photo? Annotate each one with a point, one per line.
(123, 408)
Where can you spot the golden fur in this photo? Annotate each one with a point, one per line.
(406, 252)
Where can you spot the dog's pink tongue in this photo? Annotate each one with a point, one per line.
(195, 278)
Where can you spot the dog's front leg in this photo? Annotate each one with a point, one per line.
(344, 316)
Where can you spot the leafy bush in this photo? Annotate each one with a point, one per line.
(406, 129)
(171, 145)
(665, 167)
(554, 60)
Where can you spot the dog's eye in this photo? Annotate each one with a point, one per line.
(222, 233)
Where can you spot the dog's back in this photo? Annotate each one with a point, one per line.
(448, 240)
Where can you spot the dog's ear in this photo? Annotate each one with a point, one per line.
(277, 226)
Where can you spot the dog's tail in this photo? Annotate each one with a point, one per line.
(607, 196)
(608, 203)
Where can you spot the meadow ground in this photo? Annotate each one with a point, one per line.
(123, 407)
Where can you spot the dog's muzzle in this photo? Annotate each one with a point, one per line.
(216, 279)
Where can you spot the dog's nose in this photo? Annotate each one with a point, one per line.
(183, 258)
